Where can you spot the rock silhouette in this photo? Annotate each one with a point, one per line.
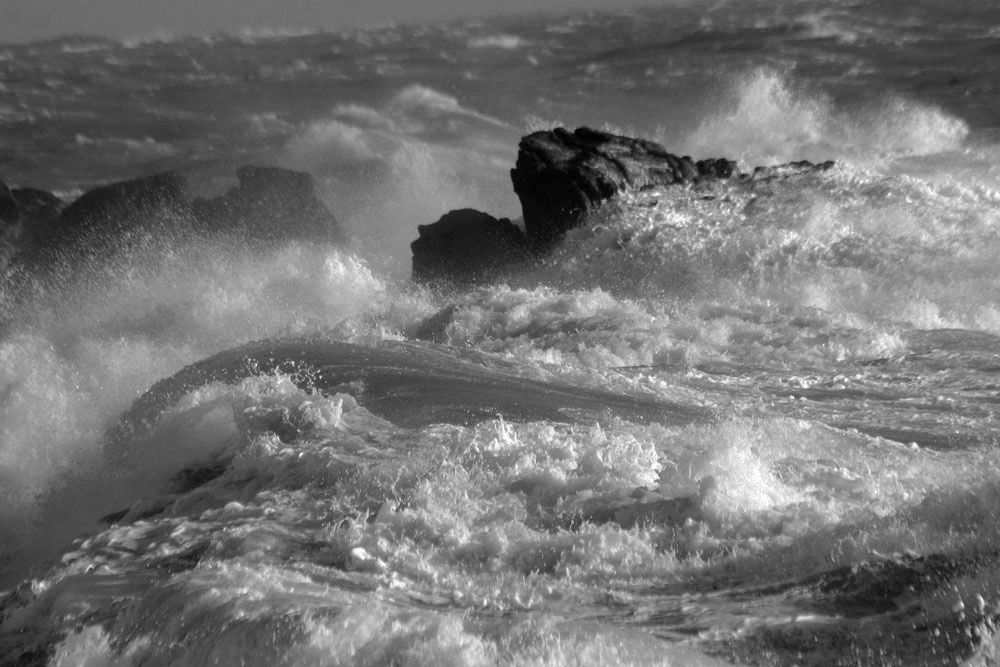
(481, 244)
(561, 177)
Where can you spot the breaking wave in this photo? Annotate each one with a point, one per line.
(775, 119)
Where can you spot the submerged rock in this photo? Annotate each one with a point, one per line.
(561, 176)
(270, 203)
(467, 246)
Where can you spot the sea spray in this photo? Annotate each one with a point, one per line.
(830, 338)
(80, 360)
(775, 116)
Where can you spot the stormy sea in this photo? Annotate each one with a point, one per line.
(625, 406)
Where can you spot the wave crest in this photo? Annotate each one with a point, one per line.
(772, 118)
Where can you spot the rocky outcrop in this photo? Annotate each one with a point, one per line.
(466, 247)
(270, 203)
(788, 170)
(114, 216)
(561, 176)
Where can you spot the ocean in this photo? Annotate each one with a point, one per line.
(730, 422)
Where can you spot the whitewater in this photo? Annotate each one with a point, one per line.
(733, 422)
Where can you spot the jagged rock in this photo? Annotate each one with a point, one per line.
(719, 168)
(790, 169)
(466, 246)
(270, 203)
(561, 176)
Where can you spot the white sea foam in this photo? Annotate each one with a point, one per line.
(866, 247)
(84, 353)
(773, 118)
(822, 25)
(422, 98)
(808, 320)
(149, 147)
(254, 35)
(268, 124)
(505, 42)
(428, 154)
(459, 519)
(156, 37)
(328, 144)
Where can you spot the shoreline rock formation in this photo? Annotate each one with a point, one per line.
(267, 203)
(270, 203)
(560, 178)
(485, 244)
(111, 216)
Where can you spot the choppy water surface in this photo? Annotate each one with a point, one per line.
(747, 423)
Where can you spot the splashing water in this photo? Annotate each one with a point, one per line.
(746, 422)
(776, 119)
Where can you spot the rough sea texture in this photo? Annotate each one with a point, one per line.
(749, 423)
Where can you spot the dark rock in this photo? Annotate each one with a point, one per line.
(652, 510)
(467, 246)
(561, 176)
(113, 216)
(877, 585)
(38, 209)
(790, 169)
(270, 203)
(10, 227)
(9, 213)
(719, 168)
(22, 213)
(38, 206)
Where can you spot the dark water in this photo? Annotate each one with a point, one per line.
(747, 423)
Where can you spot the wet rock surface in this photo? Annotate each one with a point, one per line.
(560, 178)
(467, 246)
